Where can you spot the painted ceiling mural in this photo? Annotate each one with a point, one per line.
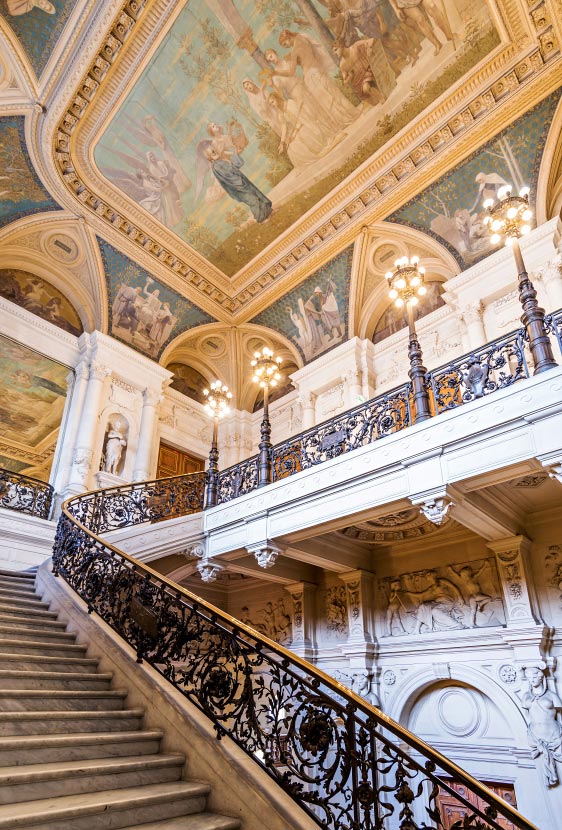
(21, 192)
(32, 398)
(250, 111)
(38, 25)
(188, 381)
(452, 210)
(143, 312)
(40, 297)
(314, 315)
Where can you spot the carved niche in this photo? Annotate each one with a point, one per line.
(443, 599)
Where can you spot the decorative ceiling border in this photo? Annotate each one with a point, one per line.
(328, 227)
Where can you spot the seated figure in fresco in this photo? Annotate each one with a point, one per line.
(19, 7)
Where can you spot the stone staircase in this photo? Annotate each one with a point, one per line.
(72, 755)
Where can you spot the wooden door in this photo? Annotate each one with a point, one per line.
(173, 462)
(453, 811)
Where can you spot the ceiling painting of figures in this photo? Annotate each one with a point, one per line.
(38, 25)
(452, 209)
(39, 297)
(250, 111)
(32, 398)
(21, 192)
(143, 312)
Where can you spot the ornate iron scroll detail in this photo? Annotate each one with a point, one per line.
(344, 762)
(553, 325)
(238, 480)
(147, 501)
(26, 494)
(496, 365)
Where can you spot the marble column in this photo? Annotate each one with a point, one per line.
(360, 647)
(147, 435)
(77, 383)
(354, 386)
(303, 637)
(551, 277)
(472, 317)
(308, 409)
(86, 434)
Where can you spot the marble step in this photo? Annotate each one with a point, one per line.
(16, 679)
(43, 648)
(60, 700)
(34, 662)
(26, 575)
(9, 632)
(33, 622)
(69, 722)
(39, 749)
(64, 778)
(197, 821)
(108, 810)
(32, 602)
(24, 586)
(15, 610)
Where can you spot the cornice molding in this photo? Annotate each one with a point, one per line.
(500, 88)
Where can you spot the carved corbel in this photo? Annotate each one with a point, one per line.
(265, 553)
(208, 570)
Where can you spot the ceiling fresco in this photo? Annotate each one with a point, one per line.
(250, 112)
(21, 192)
(452, 210)
(314, 315)
(40, 297)
(38, 25)
(32, 399)
(143, 312)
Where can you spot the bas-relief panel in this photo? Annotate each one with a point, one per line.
(40, 297)
(452, 210)
(250, 112)
(271, 619)
(21, 192)
(443, 599)
(143, 312)
(314, 315)
(32, 398)
(38, 25)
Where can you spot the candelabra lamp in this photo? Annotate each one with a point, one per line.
(406, 284)
(266, 373)
(509, 217)
(217, 404)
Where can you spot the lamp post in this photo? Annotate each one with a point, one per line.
(217, 405)
(406, 284)
(510, 217)
(266, 373)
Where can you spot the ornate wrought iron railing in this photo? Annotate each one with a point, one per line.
(494, 366)
(26, 494)
(553, 324)
(145, 501)
(354, 428)
(348, 765)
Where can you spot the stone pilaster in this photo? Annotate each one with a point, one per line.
(304, 617)
(147, 434)
(360, 647)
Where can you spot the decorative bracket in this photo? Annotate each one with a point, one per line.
(436, 509)
(266, 553)
(209, 570)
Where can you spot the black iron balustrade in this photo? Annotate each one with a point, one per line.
(237, 480)
(25, 494)
(348, 765)
(145, 501)
(494, 366)
(553, 323)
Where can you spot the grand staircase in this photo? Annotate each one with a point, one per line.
(72, 755)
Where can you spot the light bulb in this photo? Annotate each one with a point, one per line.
(527, 215)
(413, 301)
(421, 270)
(205, 392)
(422, 290)
(508, 241)
(257, 355)
(389, 275)
(525, 229)
(495, 238)
(401, 283)
(393, 293)
(504, 191)
(487, 219)
(415, 281)
(511, 213)
(488, 204)
(524, 192)
(496, 225)
(414, 260)
(399, 302)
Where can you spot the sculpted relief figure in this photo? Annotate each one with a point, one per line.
(544, 731)
(428, 601)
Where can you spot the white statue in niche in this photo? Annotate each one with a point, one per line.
(544, 728)
(115, 446)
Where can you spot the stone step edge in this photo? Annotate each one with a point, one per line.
(77, 806)
(71, 714)
(79, 739)
(55, 770)
(24, 674)
(203, 821)
(63, 636)
(74, 694)
(40, 644)
(48, 623)
(45, 659)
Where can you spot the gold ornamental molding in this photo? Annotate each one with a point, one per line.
(520, 72)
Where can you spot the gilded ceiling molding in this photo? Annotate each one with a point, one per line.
(368, 195)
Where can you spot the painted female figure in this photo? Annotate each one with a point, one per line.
(238, 186)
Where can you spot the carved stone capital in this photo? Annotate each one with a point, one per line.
(208, 570)
(98, 371)
(266, 553)
(151, 397)
(511, 558)
(472, 313)
(436, 509)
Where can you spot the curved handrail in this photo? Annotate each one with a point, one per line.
(346, 763)
(25, 494)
